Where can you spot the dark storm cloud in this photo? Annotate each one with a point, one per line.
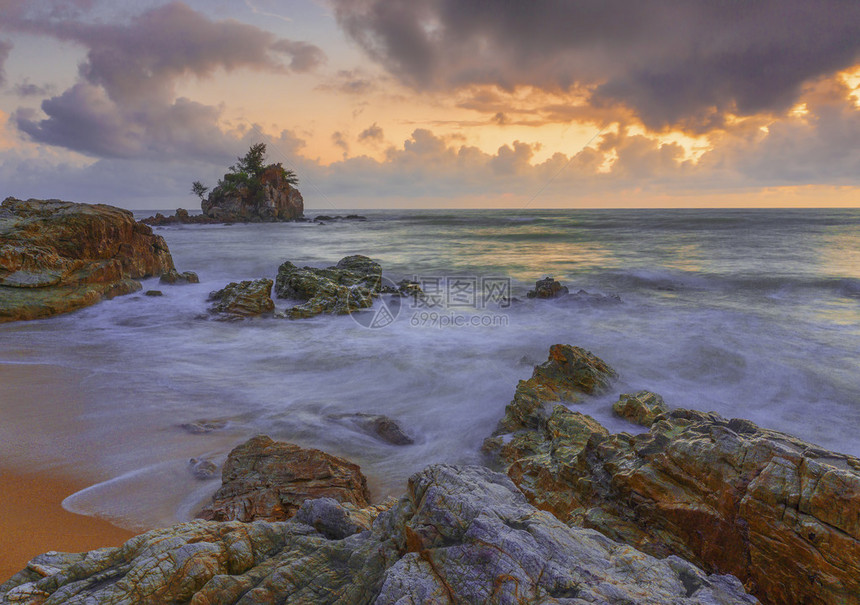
(124, 104)
(5, 48)
(675, 62)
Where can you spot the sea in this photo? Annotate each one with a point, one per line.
(748, 313)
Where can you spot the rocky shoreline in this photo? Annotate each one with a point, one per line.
(692, 511)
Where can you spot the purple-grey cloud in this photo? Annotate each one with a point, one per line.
(125, 105)
(25, 88)
(5, 49)
(675, 62)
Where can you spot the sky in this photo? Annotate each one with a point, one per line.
(437, 103)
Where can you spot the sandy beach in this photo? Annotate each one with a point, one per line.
(32, 521)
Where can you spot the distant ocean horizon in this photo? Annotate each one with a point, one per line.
(749, 313)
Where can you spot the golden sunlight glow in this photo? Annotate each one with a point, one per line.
(799, 110)
(851, 78)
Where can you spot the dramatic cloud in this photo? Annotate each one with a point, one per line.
(125, 103)
(674, 62)
(5, 48)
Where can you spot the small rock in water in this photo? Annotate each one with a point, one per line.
(153, 293)
(203, 426)
(379, 426)
(174, 277)
(547, 288)
(202, 469)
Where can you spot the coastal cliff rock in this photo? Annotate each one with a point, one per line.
(274, 200)
(60, 256)
(350, 285)
(780, 514)
(459, 535)
(243, 299)
(268, 480)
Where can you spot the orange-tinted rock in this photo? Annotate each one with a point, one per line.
(59, 256)
(268, 480)
(569, 373)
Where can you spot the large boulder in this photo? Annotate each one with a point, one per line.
(459, 535)
(60, 256)
(274, 200)
(269, 480)
(350, 285)
(781, 514)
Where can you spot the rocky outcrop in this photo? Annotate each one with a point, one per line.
(781, 514)
(269, 480)
(640, 408)
(242, 299)
(547, 288)
(350, 285)
(459, 535)
(274, 200)
(182, 217)
(60, 256)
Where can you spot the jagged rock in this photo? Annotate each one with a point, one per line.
(569, 373)
(781, 514)
(547, 288)
(243, 299)
(459, 535)
(642, 407)
(378, 425)
(265, 479)
(277, 200)
(174, 277)
(350, 285)
(60, 256)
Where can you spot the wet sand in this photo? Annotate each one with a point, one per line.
(33, 521)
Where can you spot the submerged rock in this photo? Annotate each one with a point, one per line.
(350, 285)
(459, 535)
(199, 427)
(243, 299)
(269, 480)
(202, 469)
(153, 293)
(547, 288)
(641, 408)
(59, 256)
(780, 514)
(378, 425)
(235, 201)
